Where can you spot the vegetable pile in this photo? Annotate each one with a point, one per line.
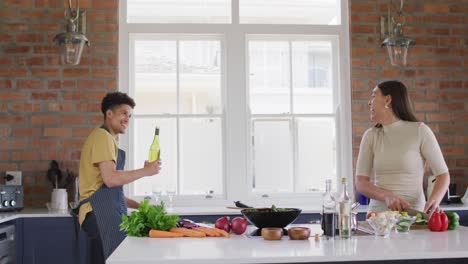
(146, 218)
(272, 209)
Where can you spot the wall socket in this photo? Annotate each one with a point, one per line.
(17, 177)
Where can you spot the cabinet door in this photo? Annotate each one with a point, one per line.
(49, 240)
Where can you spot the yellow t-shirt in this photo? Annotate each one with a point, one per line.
(99, 146)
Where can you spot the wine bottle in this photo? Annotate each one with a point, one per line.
(154, 148)
(345, 212)
(328, 212)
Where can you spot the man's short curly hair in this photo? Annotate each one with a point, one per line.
(114, 99)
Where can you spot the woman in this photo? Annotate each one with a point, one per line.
(396, 150)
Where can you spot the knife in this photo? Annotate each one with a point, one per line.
(413, 212)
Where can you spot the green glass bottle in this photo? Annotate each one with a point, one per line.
(154, 148)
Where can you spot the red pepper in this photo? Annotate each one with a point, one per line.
(438, 222)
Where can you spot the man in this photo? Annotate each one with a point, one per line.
(102, 201)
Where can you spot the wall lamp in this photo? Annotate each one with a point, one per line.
(71, 42)
(392, 30)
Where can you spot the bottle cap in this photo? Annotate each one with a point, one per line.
(343, 180)
(156, 131)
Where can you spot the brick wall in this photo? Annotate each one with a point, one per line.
(46, 109)
(437, 74)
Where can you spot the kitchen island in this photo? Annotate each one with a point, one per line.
(419, 246)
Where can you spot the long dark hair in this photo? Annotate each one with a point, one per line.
(401, 105)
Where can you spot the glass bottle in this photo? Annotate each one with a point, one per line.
(328, 212)
(345, 211)
(154, 148)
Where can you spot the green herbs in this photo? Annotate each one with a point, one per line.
(273, 209)
(420, 220)
(148, 217)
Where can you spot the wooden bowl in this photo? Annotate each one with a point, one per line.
(299, 233)
(272, 233)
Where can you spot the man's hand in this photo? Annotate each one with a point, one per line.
(152, 167)
(395, 203)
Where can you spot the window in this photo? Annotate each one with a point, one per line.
(251, 106)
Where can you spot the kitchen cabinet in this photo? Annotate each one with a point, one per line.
(48, 240)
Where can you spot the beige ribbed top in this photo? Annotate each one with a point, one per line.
(397, 154)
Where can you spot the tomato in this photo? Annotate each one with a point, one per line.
(370, 214)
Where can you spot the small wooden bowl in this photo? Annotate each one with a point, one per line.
(272, 233)
(299, 233)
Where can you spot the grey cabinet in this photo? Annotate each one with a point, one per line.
(48, 240)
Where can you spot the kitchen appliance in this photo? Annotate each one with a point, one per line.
(7, 245)
(11, 197)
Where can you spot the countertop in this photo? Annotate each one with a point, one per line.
(28, 213)
(418, 244)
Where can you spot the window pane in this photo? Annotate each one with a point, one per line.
(155, 77)
(201, 158)
(320, 12)
(179, 11)
(269, 83)
(142, 137)
(200, 77)
(316, 149)
(272, 156)
(312, 72)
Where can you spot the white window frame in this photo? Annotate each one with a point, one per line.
(236, 142)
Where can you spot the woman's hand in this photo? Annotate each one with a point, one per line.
(431, 207)
(395, 203)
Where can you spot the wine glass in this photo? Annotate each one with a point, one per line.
(157, 192)
(170, 194)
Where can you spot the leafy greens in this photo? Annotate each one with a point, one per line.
(147, 217)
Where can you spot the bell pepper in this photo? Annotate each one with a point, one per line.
(453, 219)
(438, 222)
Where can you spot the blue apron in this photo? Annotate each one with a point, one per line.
(108, 206)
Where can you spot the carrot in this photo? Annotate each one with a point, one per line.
(187, 232)
(222, 232)
(208, 231)
(163, 234)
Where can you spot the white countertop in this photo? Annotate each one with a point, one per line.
(28, 212)
(418, 244)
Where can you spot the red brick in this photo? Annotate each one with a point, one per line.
(49, 49)
(355, 8)
(73, 120)
(107, 27)
(13, 144)
(7, 14)
(44, 96)
(72, 143)
(56, 84)
(5, 156)
(95, 15)
(451, 106)
(25, 107)
(54, 154)
(34, 14)
(75, 72)
(13, 27)
(33, 166)
(25, 132)
(426, 106)
(34, 61)
(8, 167)
(12, 96)
(82, 132)
(4, 132)
(5, 37)
(57, 132)
(5, 84)
(24, 155)
(453, 150)
(45, 72)
(97, 96)
(12, 72)
(6, 61)
(16, 49)
(460, 117)
(28, 84)
(105, 4)
(29, 37)
(450, 84)
(45, 143)
(93, 108)
(60, 107)
(48, 27)
(17, 3)
(461, 140)
(104, 73)
(462, 162)
(439, 117)
(44, 120)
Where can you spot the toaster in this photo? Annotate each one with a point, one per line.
(11, 198)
